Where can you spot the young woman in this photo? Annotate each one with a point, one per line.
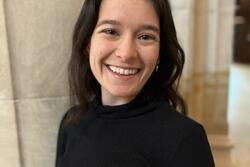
(124, 72)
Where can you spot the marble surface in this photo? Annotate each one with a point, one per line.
(239, 115)
(39, 36)
(9, 146)
(181, 4)
(225, 38)
(213, 5)
(9, 152)
(5, 70)
(184, 33)
(38, 127)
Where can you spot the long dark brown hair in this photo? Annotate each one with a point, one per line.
(83, 85)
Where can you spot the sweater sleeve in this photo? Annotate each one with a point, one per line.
(194, 150)
(61, 142)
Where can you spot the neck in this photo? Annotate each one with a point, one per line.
(111, 100)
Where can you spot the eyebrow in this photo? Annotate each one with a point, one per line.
(144, 26)
(113, 22)
(151, 27)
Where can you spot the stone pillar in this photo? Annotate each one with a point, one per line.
(39, 41)
(213, 35)
(9, 152)
(205, 29)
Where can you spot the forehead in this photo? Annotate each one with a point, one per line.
(128, 10)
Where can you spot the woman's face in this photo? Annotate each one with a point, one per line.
(124, 48)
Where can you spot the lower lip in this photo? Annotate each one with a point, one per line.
(121, 77)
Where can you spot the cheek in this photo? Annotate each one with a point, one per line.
(95, 54)
(99, 49)
(91, 57)
(152, 58)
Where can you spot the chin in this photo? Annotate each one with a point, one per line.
(125, 93)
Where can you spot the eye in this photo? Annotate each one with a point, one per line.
(147, 37)
(110, 32)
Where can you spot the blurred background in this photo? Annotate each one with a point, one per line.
(35, 45)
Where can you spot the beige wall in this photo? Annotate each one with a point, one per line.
(9, 152)
(35, 47)
(35, 41)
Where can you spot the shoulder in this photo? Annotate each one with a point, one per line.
(66, 120)
(63, 135)
(174, 126)
(70, 115)
(173, 119)
(75, 120)
(181, 135)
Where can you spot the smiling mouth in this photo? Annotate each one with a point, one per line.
(123, 71)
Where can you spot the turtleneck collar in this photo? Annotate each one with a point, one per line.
(138, 106)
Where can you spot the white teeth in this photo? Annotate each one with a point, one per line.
(123, 71)
(126, 72)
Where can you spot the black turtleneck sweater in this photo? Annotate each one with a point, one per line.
(142, 133)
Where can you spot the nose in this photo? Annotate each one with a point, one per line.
(126, 49)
